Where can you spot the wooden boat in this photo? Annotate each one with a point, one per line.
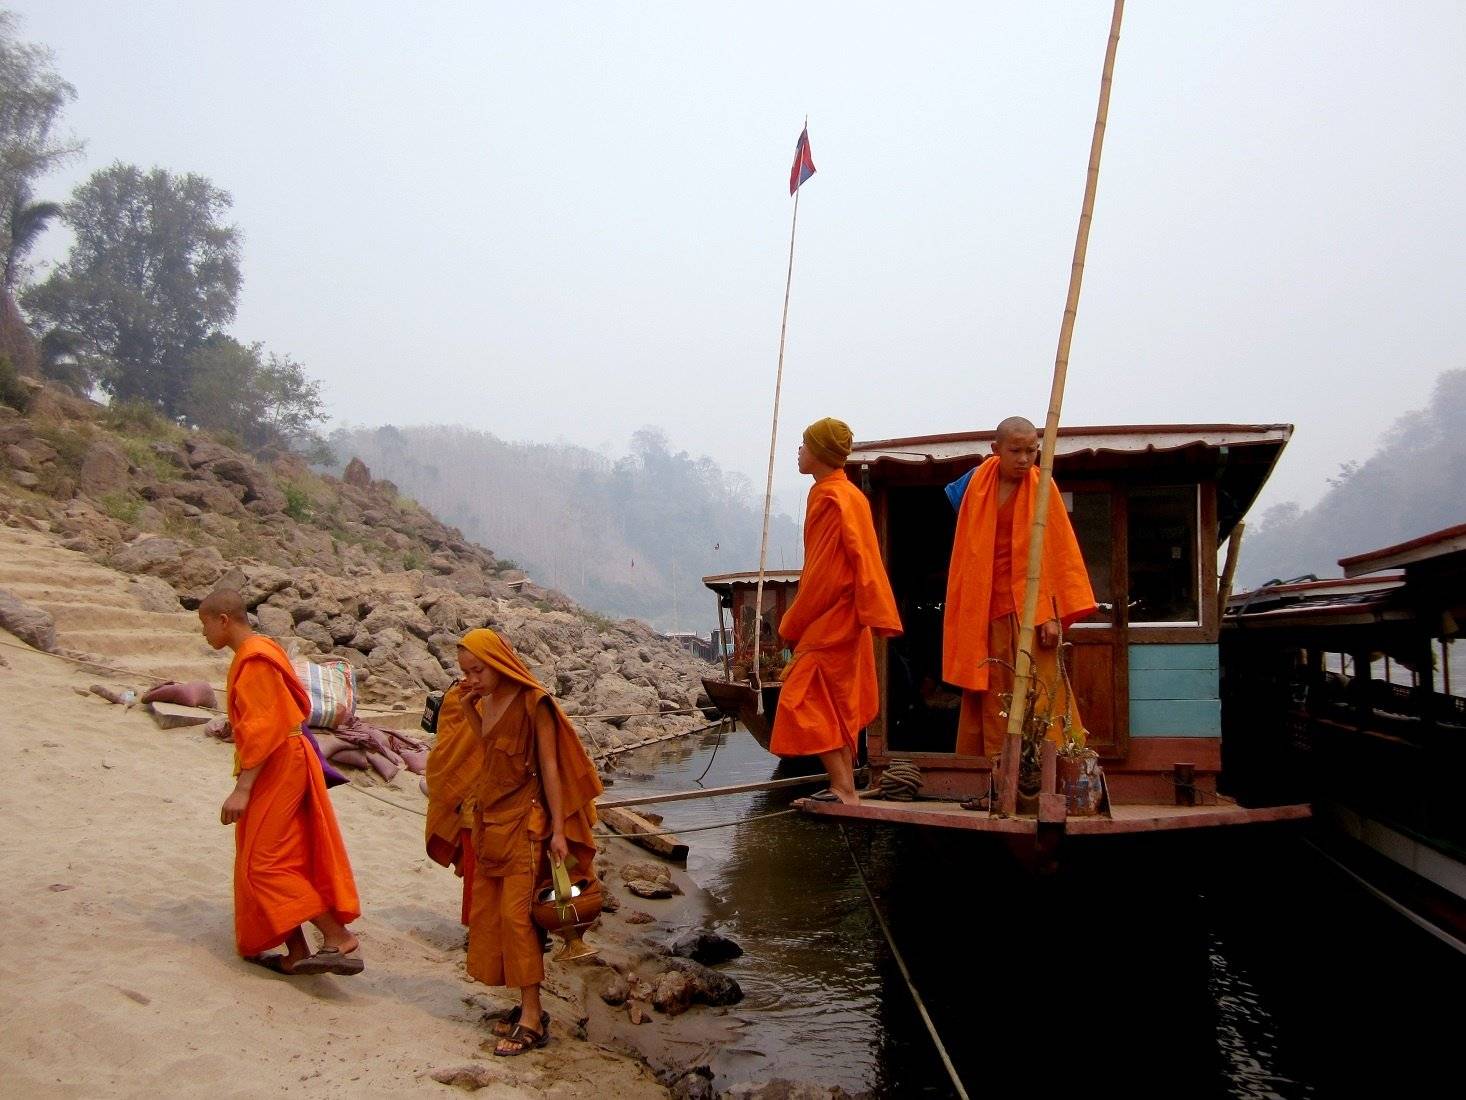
(753, 638)
(1150, 505)
(1340, 691)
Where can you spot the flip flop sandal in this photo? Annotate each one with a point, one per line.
(505, 1025)
(825, 795)
(328, 960)
(978, 803)
(274, 963)
(524, 1039)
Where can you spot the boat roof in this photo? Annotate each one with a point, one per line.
(1240, 456)
(726, 582)
(1437, 544)
(1317, 602)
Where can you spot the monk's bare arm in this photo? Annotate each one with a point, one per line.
(544, 739)
(238, 799)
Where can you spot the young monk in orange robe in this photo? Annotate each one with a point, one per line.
(830, 692)
(985, 587)
(532, 796)
(453, 769)
(290, 864)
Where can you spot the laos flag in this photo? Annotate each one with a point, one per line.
(803, 162)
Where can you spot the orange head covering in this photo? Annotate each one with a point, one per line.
(829, 440)
(579, 783)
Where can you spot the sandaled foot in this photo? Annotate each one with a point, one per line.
(825, 795)
(330, 960)
(522, 1039)
(504, 1026)
(276, 963)
(978, 803)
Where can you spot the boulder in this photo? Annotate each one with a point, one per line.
(104, 468)
(30, 624)
(154, 594)
(708, 986)
(708, 948)
(695, 1084)
(316, 634)
(672, 993)
(274, 621)
(357, 474)
(616, 696)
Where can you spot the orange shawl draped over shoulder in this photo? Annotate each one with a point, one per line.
(453, 768)
(290, 862)
(1063, 580)
(579, 783)
(830, 691)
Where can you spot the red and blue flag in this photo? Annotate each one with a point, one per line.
(803, 162)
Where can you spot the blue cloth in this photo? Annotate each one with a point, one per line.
(958, 489)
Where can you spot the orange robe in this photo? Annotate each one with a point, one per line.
(512, 821)
(830, 692)
(985, 590)
(453, 767)
(290, 863)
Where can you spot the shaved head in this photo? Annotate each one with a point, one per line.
(1015, 425)
(223, 601)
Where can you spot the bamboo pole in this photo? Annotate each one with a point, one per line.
(1229, 569)
(1017, 712)
(763, 546)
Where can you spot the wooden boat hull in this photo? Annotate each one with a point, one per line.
(740, 703)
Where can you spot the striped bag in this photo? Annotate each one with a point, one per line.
(332, 688)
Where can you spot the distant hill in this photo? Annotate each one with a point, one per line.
(1414, 484)
(631, 536)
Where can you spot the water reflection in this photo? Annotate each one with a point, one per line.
(1199, 966)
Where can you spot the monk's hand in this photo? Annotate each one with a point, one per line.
(558, 848)
(234, 806)
(1048, 634)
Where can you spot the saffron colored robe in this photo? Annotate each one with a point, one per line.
(290, 862)
(454, 764)
(830, 692)
(976, 617)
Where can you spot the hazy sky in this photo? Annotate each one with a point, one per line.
(565, 221)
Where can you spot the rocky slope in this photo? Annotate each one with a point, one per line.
(346, 567)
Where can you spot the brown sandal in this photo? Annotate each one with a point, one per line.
(504, 1026)
(524, 1039)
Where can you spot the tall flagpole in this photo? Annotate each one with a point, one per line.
(763, 546)
(1017, 712)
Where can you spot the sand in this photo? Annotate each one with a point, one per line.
(117, 962)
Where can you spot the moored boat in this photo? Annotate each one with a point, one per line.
(752, 652)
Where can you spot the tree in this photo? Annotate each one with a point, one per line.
(27, 221)
(265, 401)
(152, 276)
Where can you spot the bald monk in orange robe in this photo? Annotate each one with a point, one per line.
(532, 796)
(290, 864)
(829, 689)
(985, 587)
(453, 769)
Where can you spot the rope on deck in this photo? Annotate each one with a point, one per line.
(926, 1019)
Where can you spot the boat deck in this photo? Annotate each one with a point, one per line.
(1132, 818)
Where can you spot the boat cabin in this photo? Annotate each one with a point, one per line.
(753, 629)
(1150, 506)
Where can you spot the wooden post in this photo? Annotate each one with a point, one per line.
(1229, 569)
(1008, 790)
(1184, 777)
(1018, 712)
(723, 643)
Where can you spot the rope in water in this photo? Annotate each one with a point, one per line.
(926, 1019)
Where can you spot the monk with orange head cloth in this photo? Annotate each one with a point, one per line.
(830, 692)
(985, 588)
(290, 863)
(530, 790)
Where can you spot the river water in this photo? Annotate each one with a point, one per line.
(1239, 963)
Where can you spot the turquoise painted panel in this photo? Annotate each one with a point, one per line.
(1173, 683)
(1190, 655)
(1175, 718)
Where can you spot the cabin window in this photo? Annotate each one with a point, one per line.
(1090, 515)
(1165, 582)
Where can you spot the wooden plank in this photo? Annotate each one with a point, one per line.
(1201, 655)
(172, 715)
(1174, 683)
(1008, 785)
(1175, 718)
(1160, 753)
(712, 792)
(634, 828)
(1052, 809)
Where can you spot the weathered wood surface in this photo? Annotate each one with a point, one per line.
(173, 715)
(634, 827)
(712, 792)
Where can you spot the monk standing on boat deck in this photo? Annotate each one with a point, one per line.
(290, 864)
(830, 692)
(986, 583)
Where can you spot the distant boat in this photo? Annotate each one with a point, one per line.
(751, 641)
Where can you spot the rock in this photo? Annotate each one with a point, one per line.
(25, 479)
(672, 993)
(609, 986)
(708, 948)
(616, 696)
(187, 567)
(695, 1084)
(30, 624)
(274, 621)
(154, 594)
(104, 468)
(356, 474)
(645, 888)
(647, 871)
(18, 457)
(316, 634)
(636, 1012)
(470, 1077)
(708, 986)
(636, 916)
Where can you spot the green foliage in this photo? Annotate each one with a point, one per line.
(414, 559)
(70, 445)
(12, 392)
(601, 623)
(505, 565)
(266, 401)
(136, 418)
(297, 503)
(121, 505)
(152, 274)
(141, 454)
